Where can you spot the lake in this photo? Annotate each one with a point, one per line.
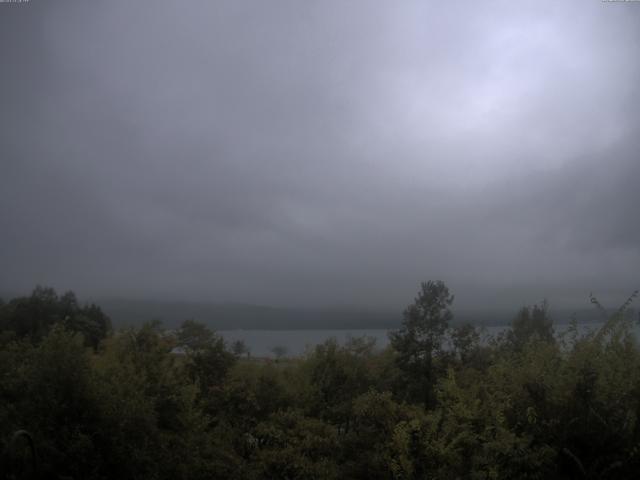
(296, 342)
(260, 342)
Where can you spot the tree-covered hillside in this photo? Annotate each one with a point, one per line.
(79, 400)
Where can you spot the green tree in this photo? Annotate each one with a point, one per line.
(531, 323)
(464, 340)
(295, 447)
(193, 335)
(208, 360)
(419, 339)
(34, 316)
(47, 389)
(337, 375)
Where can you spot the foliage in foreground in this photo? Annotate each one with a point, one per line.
(439, 403)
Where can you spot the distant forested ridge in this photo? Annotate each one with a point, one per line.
(80, 399)
(230, 316)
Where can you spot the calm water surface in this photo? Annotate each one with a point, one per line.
(296, 342)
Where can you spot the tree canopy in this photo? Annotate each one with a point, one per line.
(519, 405)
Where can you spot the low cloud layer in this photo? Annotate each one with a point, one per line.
(329, 153)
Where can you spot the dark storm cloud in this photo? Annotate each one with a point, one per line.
(294, 153)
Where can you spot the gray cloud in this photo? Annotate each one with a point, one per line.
(313, 154)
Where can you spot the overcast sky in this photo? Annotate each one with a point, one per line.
(321, 153)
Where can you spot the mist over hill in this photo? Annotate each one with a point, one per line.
(230, 316)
